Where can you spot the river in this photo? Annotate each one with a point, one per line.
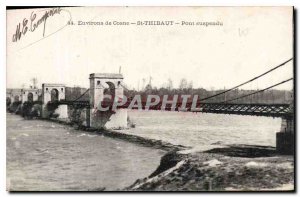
(43, 155)
(201, 130)
(48, 156)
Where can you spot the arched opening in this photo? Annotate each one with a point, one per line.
(16, 98)
(8, 101)
(54, 95)
(30, 97)
(109, 91)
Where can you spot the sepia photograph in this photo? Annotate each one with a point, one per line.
(150, 99)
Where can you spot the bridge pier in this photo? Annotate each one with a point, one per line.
(54, 92)
(285, 138)
(101, 85)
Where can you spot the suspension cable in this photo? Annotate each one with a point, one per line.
(276, 67)
(258, 91)
(124, 86)
(82, 95)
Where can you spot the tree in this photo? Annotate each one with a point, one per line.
(148, 88)
(170, 84)
(76, 92)
(144, 81)
(183, 84)
(190, 86)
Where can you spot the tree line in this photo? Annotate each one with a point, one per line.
(186, 88)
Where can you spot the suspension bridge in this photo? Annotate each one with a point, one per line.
(224, 107)
(100, 82)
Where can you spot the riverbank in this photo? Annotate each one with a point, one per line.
(146, 142)
(234, 168)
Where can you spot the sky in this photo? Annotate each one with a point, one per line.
(251, 41)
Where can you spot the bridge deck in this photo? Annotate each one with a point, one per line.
(253, 109)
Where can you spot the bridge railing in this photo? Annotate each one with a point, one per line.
(254, 109)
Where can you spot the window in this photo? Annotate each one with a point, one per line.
(98, 82)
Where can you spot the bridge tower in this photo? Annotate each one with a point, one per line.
(285, 138)
(15, 96)
(102, 84)
(52, 93)
(30, 95)
(8, 95)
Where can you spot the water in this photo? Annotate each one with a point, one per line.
(48, 156)
(202, 130)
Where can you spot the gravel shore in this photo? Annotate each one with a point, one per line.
(207, 171)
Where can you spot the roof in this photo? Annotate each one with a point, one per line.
(106, 75)
(29, 90)
(53, 85)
